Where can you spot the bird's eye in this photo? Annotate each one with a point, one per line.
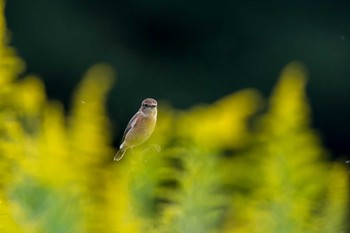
(145, 105)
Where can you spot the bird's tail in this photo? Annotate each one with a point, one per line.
(119, 155)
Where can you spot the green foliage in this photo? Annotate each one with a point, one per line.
(222, 167)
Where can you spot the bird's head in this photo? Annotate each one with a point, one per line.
(149, 107)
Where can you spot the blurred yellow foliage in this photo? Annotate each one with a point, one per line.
(222, 124)
(222, 167)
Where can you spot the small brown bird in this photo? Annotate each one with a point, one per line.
(140, 127)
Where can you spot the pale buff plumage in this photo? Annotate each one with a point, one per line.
(140, 127)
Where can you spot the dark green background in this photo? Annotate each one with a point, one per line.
(189, 52)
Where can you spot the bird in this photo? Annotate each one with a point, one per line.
(139, 128)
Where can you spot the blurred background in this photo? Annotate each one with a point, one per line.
(190, 52)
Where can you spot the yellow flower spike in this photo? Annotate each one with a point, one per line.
(88, 121)
(30, 96)
(89, 140)
(222, 125)
(10, 64)
(290, 158)
(120, 212)
(54, 152)
(289, 101)
(10, 67)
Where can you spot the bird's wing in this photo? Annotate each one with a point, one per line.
(130, 125)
